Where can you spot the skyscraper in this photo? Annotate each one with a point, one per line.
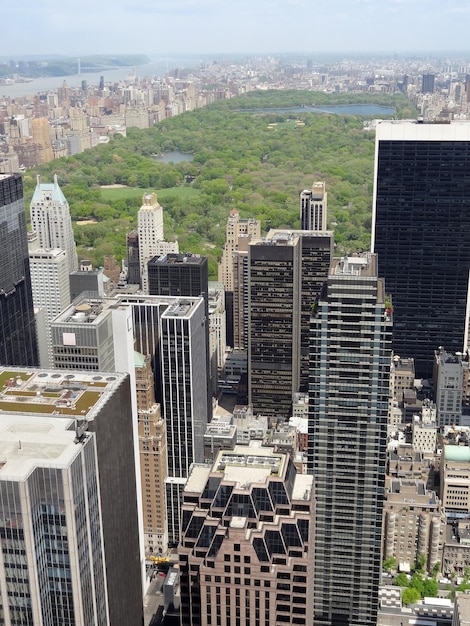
(421, 234)
(427, 85)
(237, 229)
(178, 275)
(313, 207)
(50, 218)
(18, 345)
(348, 406)
(151, 241)
(316, 255)
(133, 263)
(51, 289)
(247, 538)
(68, 500)
(153, 458)
(185, 402)
(286, 271)
(41, 136)
(46, 538)
(274, 268)
(184, 275)
(96, 333)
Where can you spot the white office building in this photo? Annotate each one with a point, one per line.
(151, 237)
(51, 290)
(50, 218)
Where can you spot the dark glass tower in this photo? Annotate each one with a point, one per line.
(176, 274)
(350, 354)
(421, 234)
(286, 271)
(18, 343)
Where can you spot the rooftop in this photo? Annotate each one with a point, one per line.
(25, 445)
(410, 130)
(55, 392)
(90, 309)
(249, 464)
(360, 265)
(49, 192)
(460, 454)
(178, 258)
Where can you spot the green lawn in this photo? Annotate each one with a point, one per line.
(138, 192)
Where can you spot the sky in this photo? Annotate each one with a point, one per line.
(164, 27)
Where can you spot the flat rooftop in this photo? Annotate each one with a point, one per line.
(411, 130)
(27, 444)
(360, 265)
(55, 392)
(87, 309)
(252, 462)
(178, 258)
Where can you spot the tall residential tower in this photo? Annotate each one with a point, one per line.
(313, 207)
(50, 218)
(348, 407)
(151, 240)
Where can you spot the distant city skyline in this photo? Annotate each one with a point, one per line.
(211, 26)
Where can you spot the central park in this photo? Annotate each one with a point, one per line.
(243, 159)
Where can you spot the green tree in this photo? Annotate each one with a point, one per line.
(401, 580)
(430, 588)
(389, 564)
(410, 595)
(417, 583)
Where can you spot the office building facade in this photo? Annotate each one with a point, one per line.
(50, 218)
(420, 232)
(245, 554)
(274, 269)
(18, 340)
(348, 408)
(153, 458)
(53, 561)
(316, 255)
(185, 403)
(185, 275)
(313, 207)
(51, 289)
(150, 237)
(448, 387)
(238, 230)
(68, 499)
(286, 271)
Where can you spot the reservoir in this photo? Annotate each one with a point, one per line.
(340, 109)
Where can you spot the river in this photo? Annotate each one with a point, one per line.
(156, 67)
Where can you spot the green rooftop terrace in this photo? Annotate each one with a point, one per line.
(52, 392)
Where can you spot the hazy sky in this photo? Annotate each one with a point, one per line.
(80, 27)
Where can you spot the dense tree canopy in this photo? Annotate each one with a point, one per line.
(240, 162)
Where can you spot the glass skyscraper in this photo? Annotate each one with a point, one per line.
(350, 354)
(421, 234)
(18, 344)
